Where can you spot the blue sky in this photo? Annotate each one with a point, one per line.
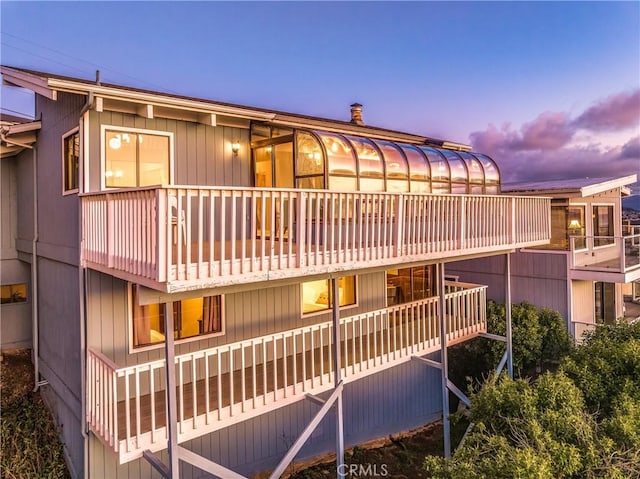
(550, 90)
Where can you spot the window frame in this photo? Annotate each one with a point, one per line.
(150, 347)
(144, 131)
(72, 191)
(585, 207)
(330, 307)
(593, 225)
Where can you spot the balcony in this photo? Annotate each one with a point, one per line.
(612, 259)
(179, 238)
(228, 384)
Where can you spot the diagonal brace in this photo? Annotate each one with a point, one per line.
(206, 465)
(428, 362)
(286, 460)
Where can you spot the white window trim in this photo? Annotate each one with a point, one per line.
(64, 137)
(330, 308)
(135, 350)
(593, 227)
(586, 229)
(103, 130)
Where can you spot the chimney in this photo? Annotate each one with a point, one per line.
(356, 114)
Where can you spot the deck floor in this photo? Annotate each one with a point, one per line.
(274, 371)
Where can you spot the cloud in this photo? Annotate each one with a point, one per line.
(613, 113)
(543, 148)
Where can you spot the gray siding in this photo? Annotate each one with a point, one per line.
(202, 154)
(389, 402)
(536, 277)
(246, 315)
(15, 326)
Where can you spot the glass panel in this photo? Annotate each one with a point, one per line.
(311, 183)
(418, 166)
(192, 317)
(456, 166)
(474, 167)
(439, 166)
(283, 173)
(439, 188)
(340, 159)
(71, 160)
(603, 225)
(369, 161)
(310, 160)
(317, 295)
(342, 183)
(409, 284)
(396, 166)
(13, 293)
(491, 172)
(262, 157)
(153, 153)
(260, 132)
(278, 131)
(575, 225)
(120, 160)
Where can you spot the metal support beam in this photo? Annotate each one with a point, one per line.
(172, 409)
(428, 362)
(337, 369)
(462, 396)
(206, 465)
(315, 399)
(443, 360)
(503, 361)
(495, 337)
(157, 464)
(286, 460)
(507, 306)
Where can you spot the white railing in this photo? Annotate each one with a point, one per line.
(222, 236)
(226, 384)
(619, 254)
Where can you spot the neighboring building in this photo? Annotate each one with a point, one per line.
(591, 263)
(17, 135)
(239, 226)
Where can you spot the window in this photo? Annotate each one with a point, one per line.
(317, 295)
(136, 158)
(13, 293)
(566, 222)
(70, 161)
(603, 225)
(191, 318)
(410, 284)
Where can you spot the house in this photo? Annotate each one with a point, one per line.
(297, 263)
(591, 263)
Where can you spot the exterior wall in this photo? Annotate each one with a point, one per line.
(59, 335)
(246, 315)
(202, 154)
(392, 401)
(15, 327)
(539, 278)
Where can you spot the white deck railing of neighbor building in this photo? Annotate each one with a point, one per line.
(177, 238)
(618, 254)
(223, 385)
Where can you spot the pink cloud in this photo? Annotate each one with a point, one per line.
(540, 149)
(615, 112)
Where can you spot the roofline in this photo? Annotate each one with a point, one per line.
(48, 85)
(588, 190)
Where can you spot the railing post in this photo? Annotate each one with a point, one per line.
(507, 302)
(442, 316)
(172, 409)
(337, 370)
(399, 224)
(301, 227)
(110, 224)
(463, 221)
(162, 216)
(513, 219)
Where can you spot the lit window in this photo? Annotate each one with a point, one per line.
(135, 159)
(410, 284)
(70, 161)
(13, 293)
(191, 318)
(318, 296)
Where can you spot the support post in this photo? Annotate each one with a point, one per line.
(337, 367)
(172, 410)
(507, 307)
(443, 361)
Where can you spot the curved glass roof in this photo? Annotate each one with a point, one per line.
(382, 165)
